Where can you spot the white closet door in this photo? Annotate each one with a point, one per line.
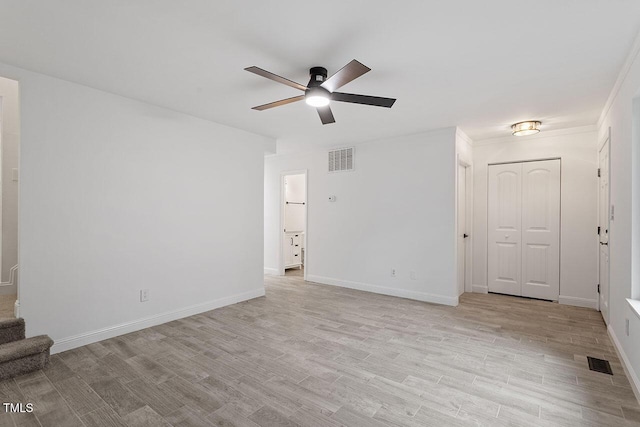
(504, 216)
(541, 229)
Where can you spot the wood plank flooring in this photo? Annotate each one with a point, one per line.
(6, 306)
(314, 355)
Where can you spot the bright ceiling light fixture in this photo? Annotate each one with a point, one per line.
(526, 128)
(317, 96)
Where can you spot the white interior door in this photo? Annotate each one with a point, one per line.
(504, 228)
(603, 222)
(462, 227)
(541, 229)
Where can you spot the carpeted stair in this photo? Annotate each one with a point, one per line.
(20, 355)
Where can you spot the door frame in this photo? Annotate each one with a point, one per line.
(468, 256)
(283, 175)
(605, 140)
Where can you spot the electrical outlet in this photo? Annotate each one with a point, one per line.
(144, 295)
(393, 272)
(413, 275)
(626, 326)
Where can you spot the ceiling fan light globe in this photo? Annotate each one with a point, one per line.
(317, 100)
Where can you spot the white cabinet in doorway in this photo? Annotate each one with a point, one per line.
(292, 249)
(524, 229)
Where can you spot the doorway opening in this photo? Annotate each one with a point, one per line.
(463, 227)
(9, 161)
(603, 227)
(293, 241)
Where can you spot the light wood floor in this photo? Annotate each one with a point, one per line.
(313, 355)
(6, 306)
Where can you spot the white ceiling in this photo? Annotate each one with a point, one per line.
(481, 65)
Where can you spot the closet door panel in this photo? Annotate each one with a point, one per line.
(541, 229)
(504, 225)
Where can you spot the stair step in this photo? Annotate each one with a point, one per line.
(11, 330)
(24, 356)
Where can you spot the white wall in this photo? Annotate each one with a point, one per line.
(625, 194)
(396, 210)
(578, 239)
(294, 213)
(118, 196)
(10, 140)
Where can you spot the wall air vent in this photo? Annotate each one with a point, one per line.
(341, 159)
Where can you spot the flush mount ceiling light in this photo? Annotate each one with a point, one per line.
(526, 128)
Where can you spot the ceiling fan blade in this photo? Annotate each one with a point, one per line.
(349, 72)
(275, 77)
(326, 115)
(279, 103)
(363, 99)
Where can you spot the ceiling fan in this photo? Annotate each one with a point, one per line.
(320, 90)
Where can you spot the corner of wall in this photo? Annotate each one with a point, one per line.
(271, 271)
(626, 364)
(480, 289)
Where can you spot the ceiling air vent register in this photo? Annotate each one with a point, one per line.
(341, 160)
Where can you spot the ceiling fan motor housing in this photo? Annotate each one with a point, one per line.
(318, 76)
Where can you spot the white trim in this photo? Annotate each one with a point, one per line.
(622, 76)
(68, 343)
(634, 305)
(541, 135)
(16, 309)
(626, 364)
(462, 135)
(578, 302)
(271, 271)
(394, 292)
(480, 289)
(8, 288)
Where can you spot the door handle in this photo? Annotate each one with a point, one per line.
(604, 243)
(465, 235)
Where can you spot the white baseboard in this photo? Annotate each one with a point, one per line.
(402, 293)
(578, 302)
(626, 364)
(7, 288)
(271, 271)
(480, 289)
(10, 287)
(75, 341)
